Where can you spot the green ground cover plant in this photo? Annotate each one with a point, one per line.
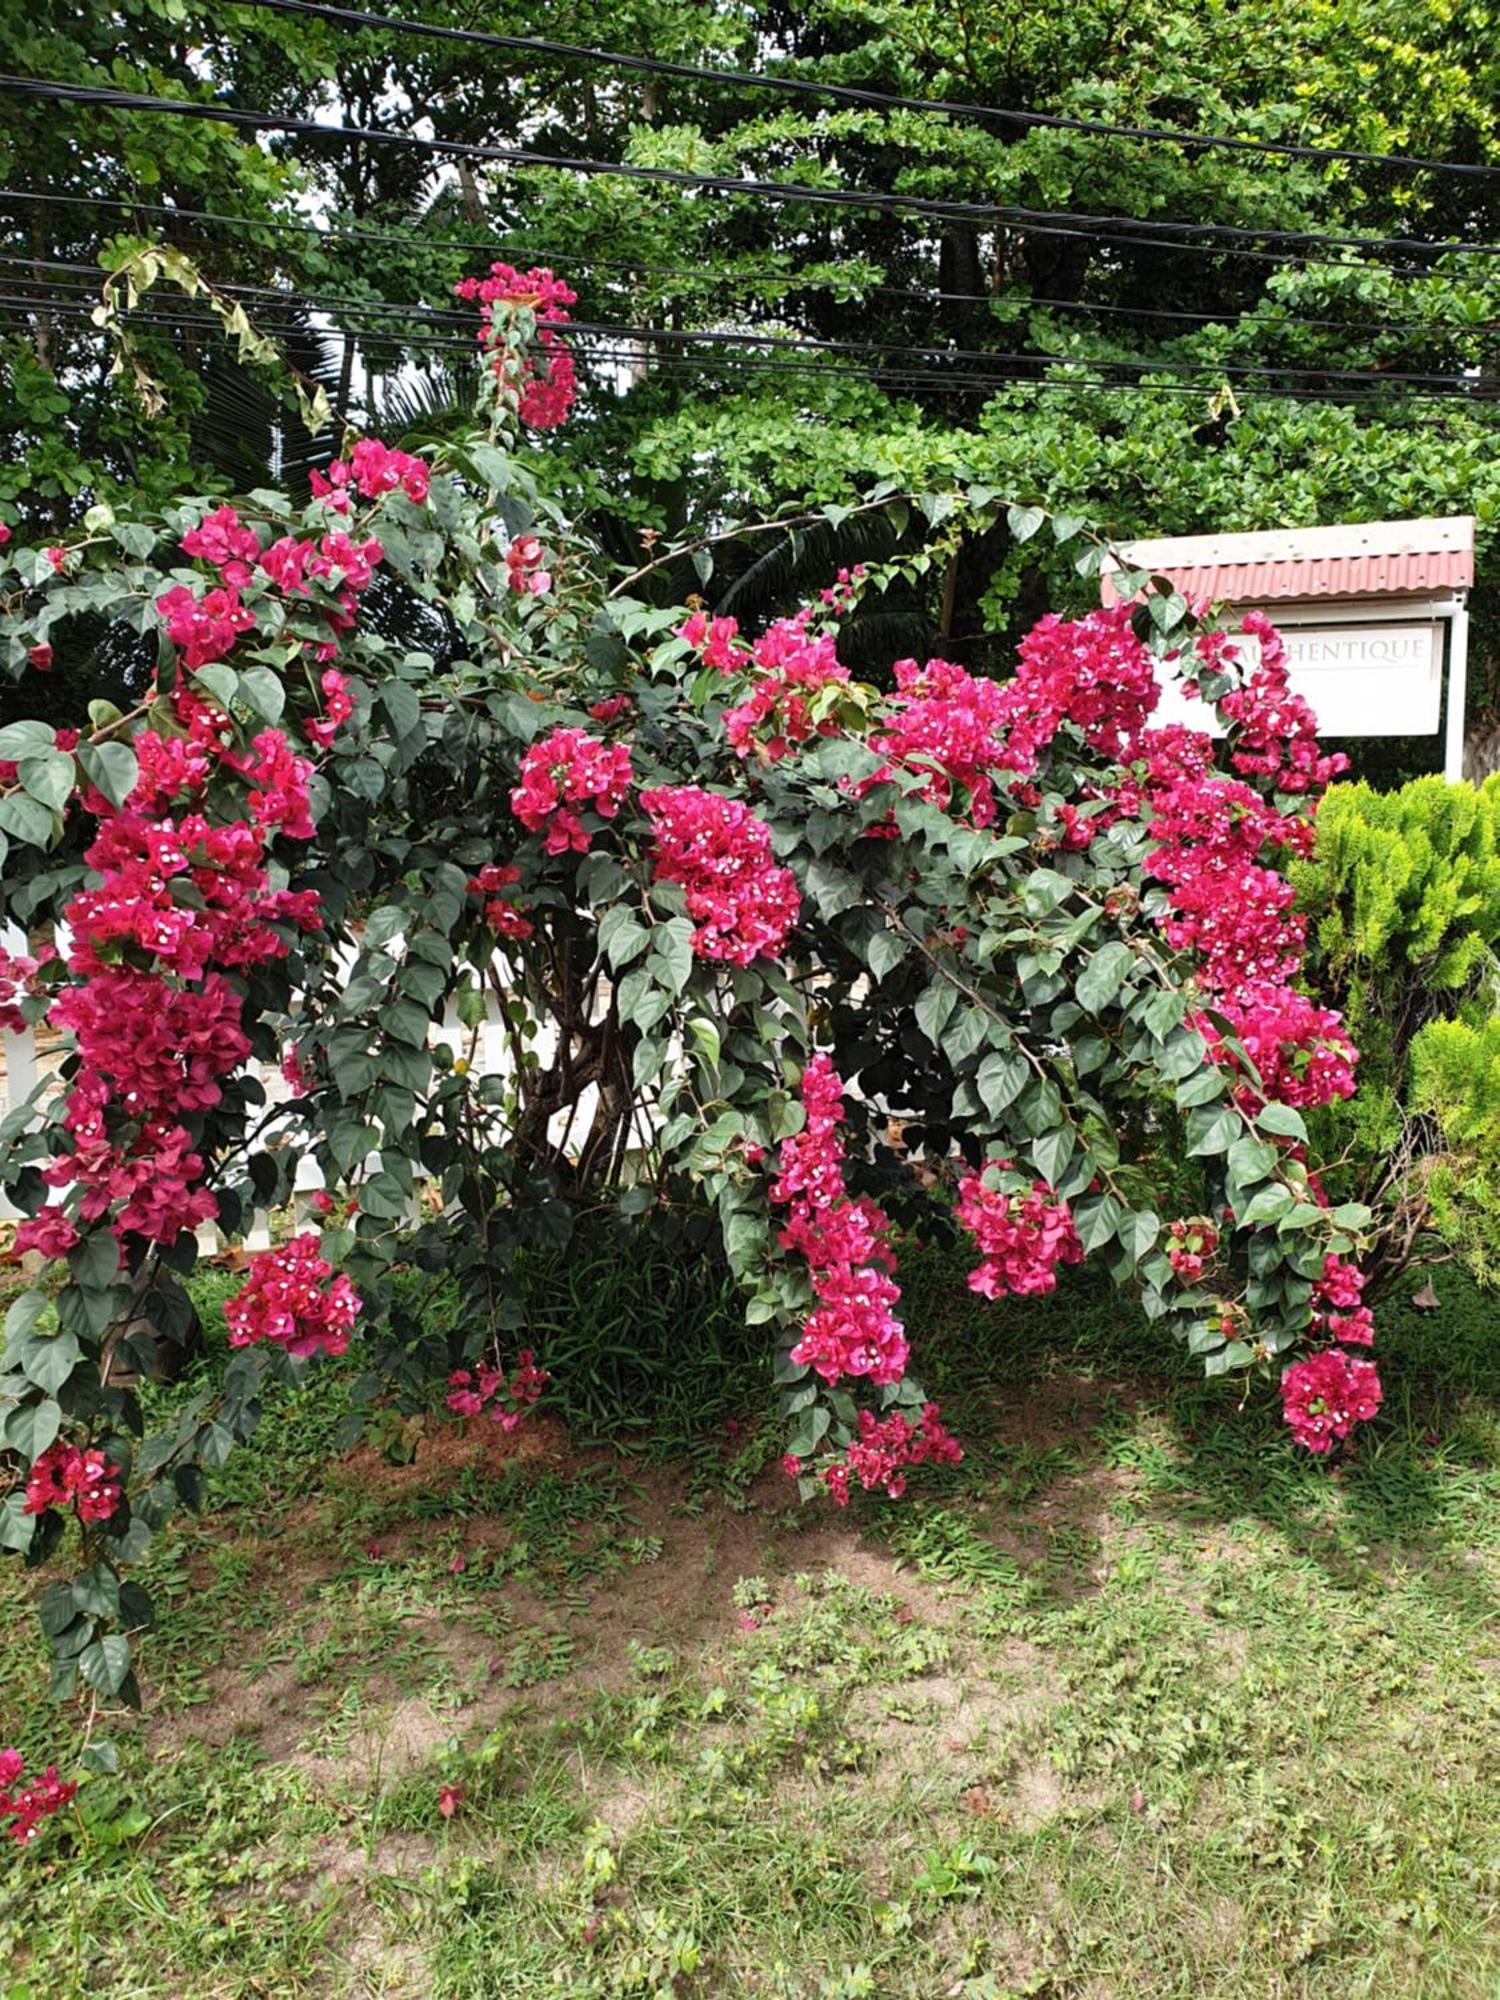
(1136, 1701)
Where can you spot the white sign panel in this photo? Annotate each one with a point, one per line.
(1361, 680)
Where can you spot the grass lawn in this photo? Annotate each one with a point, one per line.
(1136, 1702)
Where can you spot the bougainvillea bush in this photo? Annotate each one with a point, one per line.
(738, 930)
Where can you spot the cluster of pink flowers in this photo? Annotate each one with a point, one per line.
(1190, 1245)
(338, 706)
(547, 385)
(18, 975)
(883, 1452)
(790, 667)
(501, 913)
(716, 641)
(1023, 1233)
(64, 1475)
(204, 629)
(1234, 909)
(221, 538)
(486, 1389)
(953, 729)
(1326, 1394)
(1275, 731)
(287, 1297)
(525, 567)
(742, 905)
(158, 1047)
(1337, 1304)
(26, 1808)
(181, 900)
(566, 769)
(1093, 672)
(1301, 1051)
(1228, 904)
(371, 469)
(845, 1242)
(156, 1040)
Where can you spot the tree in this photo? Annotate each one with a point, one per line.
(1243, 413)
(1403, 896)
(757, 906)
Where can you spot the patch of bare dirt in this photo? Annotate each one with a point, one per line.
(1060, 1410)
(445, 1450)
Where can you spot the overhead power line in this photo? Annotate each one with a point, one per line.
(893, 377)
(979, 213)
(884, 352)
(840, 93)
(914, 295)
(447, 246)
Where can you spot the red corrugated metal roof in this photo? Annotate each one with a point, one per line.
(1364, 559)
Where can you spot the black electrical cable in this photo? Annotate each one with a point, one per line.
(336, 303)
(878, 350)
(895, 379)
(448, 246)
(878, 99)
(50, 90)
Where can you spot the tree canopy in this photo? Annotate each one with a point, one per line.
(1161, 336)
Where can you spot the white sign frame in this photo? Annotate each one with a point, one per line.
(1413, 710)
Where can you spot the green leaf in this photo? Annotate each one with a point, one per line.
(646, 1061)
(264, 692)
(27, 820)
(1103, 976)
(112, 767)
(1097, 1219)
(16, 1528)
(832, 888)
(966, 1032)
(672, 953)
(49, 779)
(811, 1428)
(25, 739)
(1251, 1160)
(1213, 1131)
(1138, 1232)
(934, 1005)
(105, 1664)
(622, 936)
(705, 1038)
(1023, 522)
(402, 705)
(1044, 890)
(1052, 1152)
(1185, 1052)
(95, 1262)
(96, 1592)
(886, 949)
(1001, 1079)
(49, 1359)
(1283, 1121)
(1238, 1354)
(30, 1427)
(1164, 1010)
(1203, 1087)
(222, 682)
(1267, 1204)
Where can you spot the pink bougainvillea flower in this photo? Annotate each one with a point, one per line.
(742, 904)
(291, 1297)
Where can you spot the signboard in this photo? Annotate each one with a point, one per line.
(1382, 679)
